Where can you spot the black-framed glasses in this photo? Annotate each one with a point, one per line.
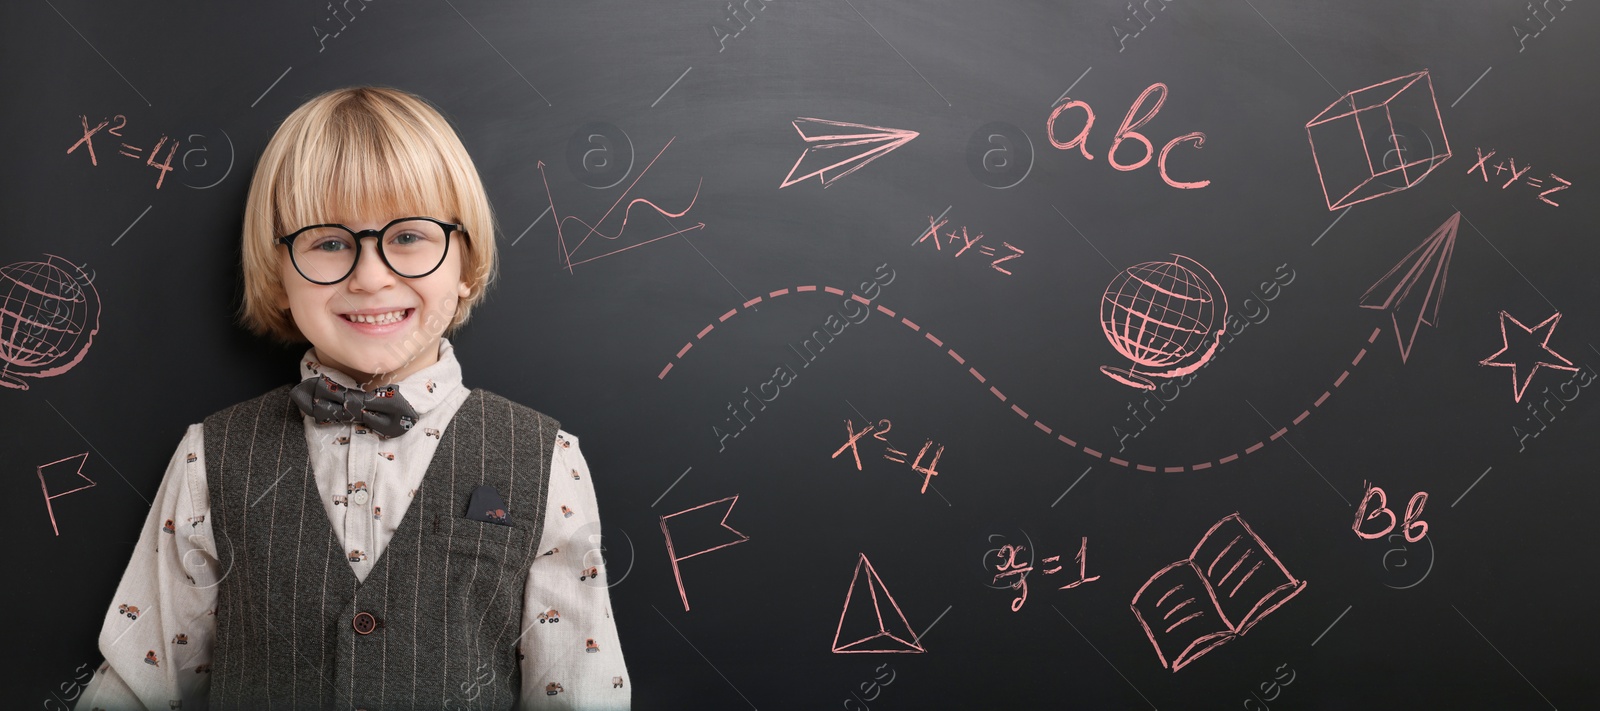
(412, 247)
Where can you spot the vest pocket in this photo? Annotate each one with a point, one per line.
(479, 552)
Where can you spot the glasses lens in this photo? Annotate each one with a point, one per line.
(414, 247)
(324, 254)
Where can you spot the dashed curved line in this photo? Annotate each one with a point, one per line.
(1202, 466)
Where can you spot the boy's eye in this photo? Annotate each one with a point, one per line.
(330, 245)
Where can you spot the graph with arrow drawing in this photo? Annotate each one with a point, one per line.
(840, 148)
(568, 253)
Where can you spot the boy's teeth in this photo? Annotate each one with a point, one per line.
(377, 318)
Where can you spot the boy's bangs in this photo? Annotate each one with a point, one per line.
(353, 172)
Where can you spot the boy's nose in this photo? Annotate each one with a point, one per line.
(371, 272)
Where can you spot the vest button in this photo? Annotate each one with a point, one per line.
(364, 623)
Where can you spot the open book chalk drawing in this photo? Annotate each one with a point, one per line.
(1229, 582)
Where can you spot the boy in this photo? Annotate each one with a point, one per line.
(377, 535)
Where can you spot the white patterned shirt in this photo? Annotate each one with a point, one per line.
(159, 630)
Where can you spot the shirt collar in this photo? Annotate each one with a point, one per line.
(424, 389)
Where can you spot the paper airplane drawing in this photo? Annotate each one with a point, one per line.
(1413, 289)
(872, 631)
(836, 149)
(703, 535)
(60, 470)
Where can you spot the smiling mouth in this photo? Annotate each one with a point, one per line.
(383, 319)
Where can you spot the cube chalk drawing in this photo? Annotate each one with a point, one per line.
(1354, 142)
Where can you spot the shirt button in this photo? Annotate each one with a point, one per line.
(359, 498)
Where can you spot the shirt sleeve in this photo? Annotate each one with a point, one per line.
(572, 658)
(158, 631)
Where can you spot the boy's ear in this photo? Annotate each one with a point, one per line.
(283, 301)
(463, 290)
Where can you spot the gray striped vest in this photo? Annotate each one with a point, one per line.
(436, 621)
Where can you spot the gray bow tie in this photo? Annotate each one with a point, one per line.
(384, 410)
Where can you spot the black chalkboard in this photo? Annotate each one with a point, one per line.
(1355, 254)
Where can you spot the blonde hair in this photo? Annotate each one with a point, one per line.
(366, 151)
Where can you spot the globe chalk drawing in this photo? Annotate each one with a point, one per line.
(48, 317)
(1166, 317)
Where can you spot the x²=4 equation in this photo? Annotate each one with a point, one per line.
(126, 149)
(928, 472)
